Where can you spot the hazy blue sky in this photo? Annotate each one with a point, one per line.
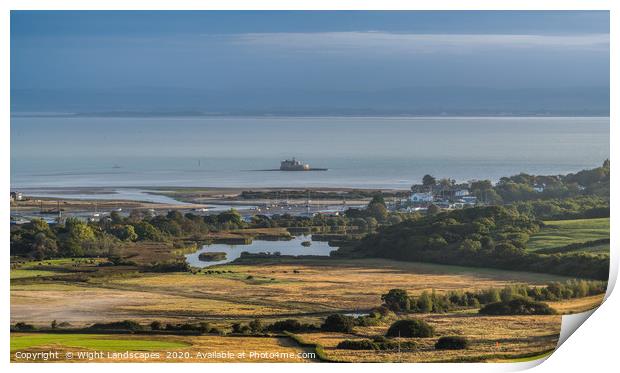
(310, 61)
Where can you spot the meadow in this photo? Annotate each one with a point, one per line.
(502, 337)
(557, 233)
(301, 288)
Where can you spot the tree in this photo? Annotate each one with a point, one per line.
(39, 226)
(412, 328)
(377, 198)
(338, 323)
(147, 232)
(446, 183)
(256, 326)
(54, 324)
(116, 217)
(371, 223)
(396, 300)
(428, 181)
(43, 246)
(470, 246)
(517, 306)
(156, 325)
(378, 211)
(77, 235)
(425, 302)
(79, 230)
(231, 217)
(175, 215)
(125, 232)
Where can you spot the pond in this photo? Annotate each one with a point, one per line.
(292, 247)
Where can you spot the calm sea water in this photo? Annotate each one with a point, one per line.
(359, 152)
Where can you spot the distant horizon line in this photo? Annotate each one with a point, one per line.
(192, 114)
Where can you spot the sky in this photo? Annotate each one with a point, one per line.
(310, 62)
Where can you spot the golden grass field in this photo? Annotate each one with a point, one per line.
(577, 305)
(305, 289)
(492, 337)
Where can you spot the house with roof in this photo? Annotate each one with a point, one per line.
(422, 197)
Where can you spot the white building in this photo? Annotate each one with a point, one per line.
(470, 200)
(421, 197)
(16, 196)
(461, 193)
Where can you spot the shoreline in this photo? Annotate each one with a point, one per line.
(206, 188)
(85, 199)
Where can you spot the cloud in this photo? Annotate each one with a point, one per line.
(418, 43)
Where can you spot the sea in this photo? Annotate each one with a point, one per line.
(359, 152)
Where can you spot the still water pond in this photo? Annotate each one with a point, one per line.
(292, 247)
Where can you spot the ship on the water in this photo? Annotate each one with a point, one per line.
(295, 165)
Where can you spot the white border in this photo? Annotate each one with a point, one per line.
(593, 347)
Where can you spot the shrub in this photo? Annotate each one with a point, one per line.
(369, 320)
(451, 343)
(256, 326)
(156, 325)
(338, 323)
(204, 327)
(363, 344)
(410, 329)
(238, 328)
(396, 300)
(290, 325)
(176, 266)
(517, 306)
(22, 326)
(119, 325)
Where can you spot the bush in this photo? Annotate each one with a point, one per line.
(290, 325)
(369, 320)
(363, 344)
(338, 323)
(201, 327)
(413, 328)
(396, 300)
(128, 325)
(22, 326)
(451, 343)
(238, 328)
(176, 266)
(256, 326)
(517, 306)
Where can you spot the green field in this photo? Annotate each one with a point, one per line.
(26, 273)
(564, 232)
(90, 341)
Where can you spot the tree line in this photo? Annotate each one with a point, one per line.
(398, 300)
(491, 236)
